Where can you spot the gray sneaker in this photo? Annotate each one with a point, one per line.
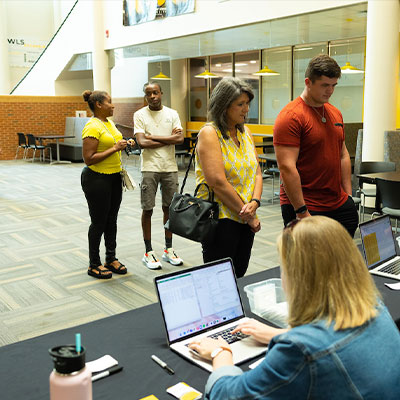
(150, 260)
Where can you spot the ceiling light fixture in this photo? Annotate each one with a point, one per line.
(266, 72)
(160, 76)
(348, 68)
(206, 75)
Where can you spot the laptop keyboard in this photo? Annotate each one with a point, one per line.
(228, 336)
(392, 268)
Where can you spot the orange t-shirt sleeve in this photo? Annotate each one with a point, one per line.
(287, 129)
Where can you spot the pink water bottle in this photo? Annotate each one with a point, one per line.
(70, 378)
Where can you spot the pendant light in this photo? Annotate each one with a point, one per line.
(266, 72)
(206, 74)
(348, 68)
(160, 76)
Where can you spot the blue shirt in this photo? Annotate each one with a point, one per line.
(314, 361)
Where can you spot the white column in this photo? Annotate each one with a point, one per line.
(179, 91)
(101, 70)
(5, 83)
(381, 75)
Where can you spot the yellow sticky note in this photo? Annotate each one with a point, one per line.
(151, 397)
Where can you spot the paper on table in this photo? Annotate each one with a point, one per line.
(183, 391)
(101, 363)
(393, 286)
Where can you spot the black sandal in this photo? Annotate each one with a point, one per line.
(102, 273)
(121, 269)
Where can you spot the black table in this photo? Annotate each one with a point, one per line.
(131, 337)
(57, 138)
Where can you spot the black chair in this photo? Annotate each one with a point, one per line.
(21, 145)
(370, 167)
(34, 146)
(389, 198)
(182, 150)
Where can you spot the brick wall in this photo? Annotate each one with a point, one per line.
(46, 115)
(31, 114)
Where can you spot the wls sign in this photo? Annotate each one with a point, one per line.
(23, 52)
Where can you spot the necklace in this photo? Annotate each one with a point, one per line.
(323, 119)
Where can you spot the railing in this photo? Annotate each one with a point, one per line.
(48, 45)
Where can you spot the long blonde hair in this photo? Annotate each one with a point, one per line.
(325, 275)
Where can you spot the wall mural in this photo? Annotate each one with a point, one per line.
(139, 11)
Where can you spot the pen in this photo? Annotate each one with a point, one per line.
(162, 364)
(111, 371)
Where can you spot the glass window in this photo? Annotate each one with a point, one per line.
(301, 57)
(348, 95)
(220, 65)
(198, 90)
(276, 89)
(246, 64)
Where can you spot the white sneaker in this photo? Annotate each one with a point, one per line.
(171, 257)
(151, 261)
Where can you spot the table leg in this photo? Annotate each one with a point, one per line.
(58, 155)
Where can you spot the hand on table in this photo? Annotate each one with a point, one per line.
(261, 332)
(205, 346)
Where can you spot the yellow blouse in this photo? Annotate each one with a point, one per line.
(240, 170)
(107, 134)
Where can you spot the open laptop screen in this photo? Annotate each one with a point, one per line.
(377, 240)
(199, 299)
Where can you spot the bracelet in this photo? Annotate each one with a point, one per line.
(301, 210)
(257, 201)
(218, 350)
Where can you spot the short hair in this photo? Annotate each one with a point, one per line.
(92, 97)
(325, 276)
(226, 91)
(151, 83)
(322, 65)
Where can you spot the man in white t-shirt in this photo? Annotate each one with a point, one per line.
(157, 130)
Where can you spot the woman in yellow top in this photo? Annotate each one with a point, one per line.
(226, 160)
(101, 182)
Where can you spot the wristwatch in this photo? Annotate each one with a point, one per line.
(301, 210)
(257, 201)
(218, 350)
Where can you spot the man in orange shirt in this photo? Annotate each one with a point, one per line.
(311, 153)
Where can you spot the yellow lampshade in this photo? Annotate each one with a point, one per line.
(161, 77)
(266, 72)
(349, 69)
(206, 75)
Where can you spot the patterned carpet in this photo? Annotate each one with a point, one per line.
(43, 250)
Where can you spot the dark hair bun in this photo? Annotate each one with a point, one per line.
(86, 94)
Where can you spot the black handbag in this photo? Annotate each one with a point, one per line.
(190, 217)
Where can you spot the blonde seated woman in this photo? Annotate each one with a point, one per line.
(342, 343)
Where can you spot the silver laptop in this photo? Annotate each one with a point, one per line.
(204, 301)
(379, 247)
